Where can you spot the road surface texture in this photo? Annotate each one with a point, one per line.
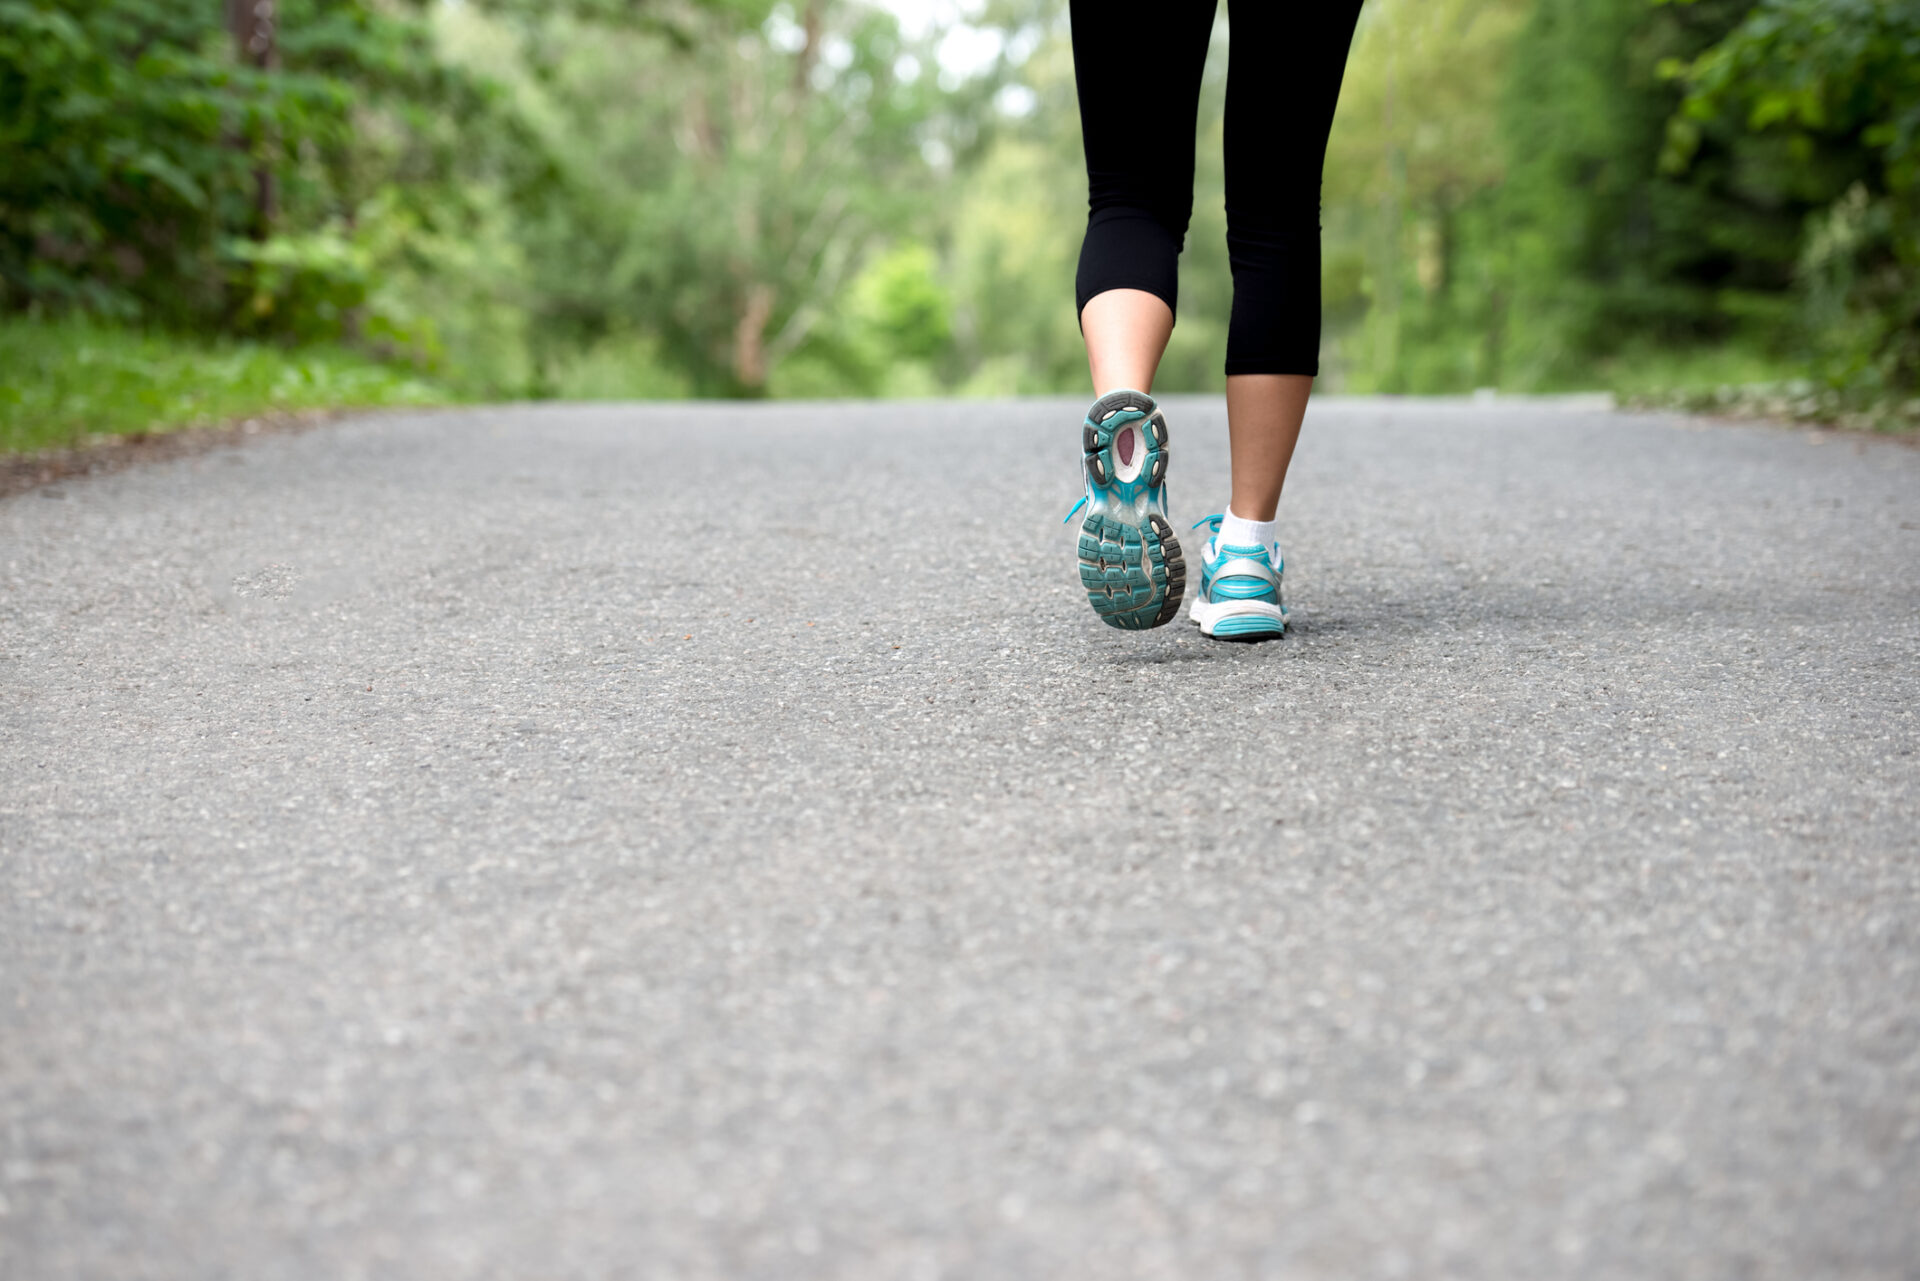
(719, 841)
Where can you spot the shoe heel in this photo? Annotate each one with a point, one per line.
(1096, 441)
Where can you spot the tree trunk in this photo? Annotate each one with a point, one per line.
(750, 338)
(1394, 220)
(255, 26)
(810, 23)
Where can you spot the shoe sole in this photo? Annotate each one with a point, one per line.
(1240, 621)
(1130, 562)
(1135, 575)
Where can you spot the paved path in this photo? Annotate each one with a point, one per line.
(693, 842)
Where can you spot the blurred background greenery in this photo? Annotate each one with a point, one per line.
(211, 206)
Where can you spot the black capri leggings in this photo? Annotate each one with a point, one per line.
(1138, 66)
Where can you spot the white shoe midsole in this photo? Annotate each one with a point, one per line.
(1208, 614)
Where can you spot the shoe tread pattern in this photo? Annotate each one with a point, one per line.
(1130, 563)
(1135, 576)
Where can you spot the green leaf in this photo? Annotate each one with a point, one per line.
(162, 170)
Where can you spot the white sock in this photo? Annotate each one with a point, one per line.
(1235, 532)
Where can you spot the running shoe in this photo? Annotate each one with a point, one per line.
(1239, 597)
(1130, 562)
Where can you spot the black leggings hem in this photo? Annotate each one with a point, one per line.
(1128, 249)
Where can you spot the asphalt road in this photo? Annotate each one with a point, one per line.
(688, 842)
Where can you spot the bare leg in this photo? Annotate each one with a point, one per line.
(1263, 424)
(1126, 332)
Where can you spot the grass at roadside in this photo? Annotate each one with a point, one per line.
(1736, 382)
(62, 382)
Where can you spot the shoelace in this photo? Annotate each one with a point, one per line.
(1163, 498)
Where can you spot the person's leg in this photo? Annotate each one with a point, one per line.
(1137, 65)
(1276, 140)
(1276, 145)
(1126, 332)
(1264, 412)
(1137, 69)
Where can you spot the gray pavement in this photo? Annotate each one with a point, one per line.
(707, 841)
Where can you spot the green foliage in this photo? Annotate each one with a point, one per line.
(143, 145)
(893, 336)
(903, 305)
(1836, 84)
(1613, 249)
(1417, 276)
(650, 16)
(1603, 192)
(748, 197)
(63, 381)
(306, 286)
(726, 181)
(617, 366)
(1015, 240)
(127, 128)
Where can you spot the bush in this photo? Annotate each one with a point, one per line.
(66, 381)
(1837, 82)
(153, 175)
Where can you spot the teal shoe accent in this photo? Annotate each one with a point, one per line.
(1239, 595)
(1130, 562)
(1246, 627)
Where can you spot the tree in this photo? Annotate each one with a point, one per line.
(1836, 84)
(166, 166)
(1415, 170)
(730, 185)
(254, 24)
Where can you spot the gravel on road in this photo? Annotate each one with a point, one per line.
(701, 841)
